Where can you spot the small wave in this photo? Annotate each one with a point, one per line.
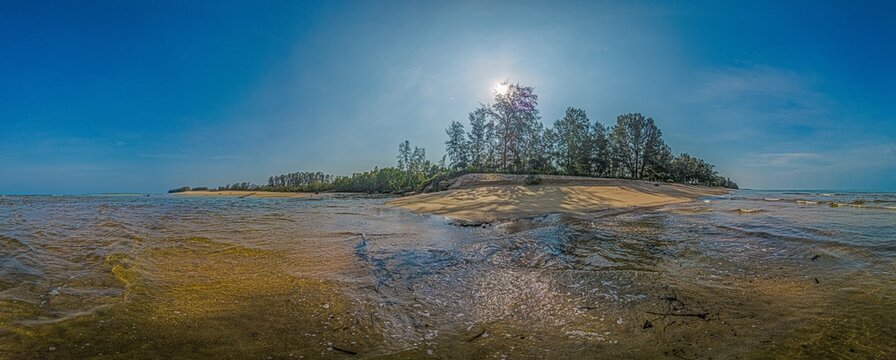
(771, 199)
(121, 266)
(748, 211)
(14, 266)
(807, 202)
(11, 244)
(861, 206)
(881, 207)
(772, 235)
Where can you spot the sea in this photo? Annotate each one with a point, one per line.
(750, 274)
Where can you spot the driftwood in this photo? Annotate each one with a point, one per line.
(477, 336)
(344, 351)
(697, 315)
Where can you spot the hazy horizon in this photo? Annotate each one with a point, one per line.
(141, 98)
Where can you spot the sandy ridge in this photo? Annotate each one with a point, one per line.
(490, 197)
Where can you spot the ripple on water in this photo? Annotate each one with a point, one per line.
(346, 276)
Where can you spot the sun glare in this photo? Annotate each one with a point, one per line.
(501, 88)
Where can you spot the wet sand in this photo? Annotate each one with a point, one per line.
(490, 197)
(344, 276)
(239, 193)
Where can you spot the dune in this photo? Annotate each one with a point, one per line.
(489, 197)
(240, 193)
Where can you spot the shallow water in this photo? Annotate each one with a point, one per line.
(746, 275)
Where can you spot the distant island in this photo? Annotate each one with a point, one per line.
(508, 137)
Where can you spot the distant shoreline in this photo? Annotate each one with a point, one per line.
(247, 193)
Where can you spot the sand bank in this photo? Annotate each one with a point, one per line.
(489, 197)
(253, 194)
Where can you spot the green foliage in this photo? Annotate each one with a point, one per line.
(299, 182)
(457, 147)
(508, 136)
(240, 186)
(412, 172)
(439, 181)
(516, 118)
(690, 170)
(601, 151)
(480, 138)
(726, 182)
(532, 179)
(573, 142)
(637, 142)
(404, 155)
(180, 189)
(385, 180)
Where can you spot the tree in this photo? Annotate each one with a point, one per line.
(659, 167)
(537, 150)
(404, 156)
(573, 143)
(478, 138)
(457, 147)
(637, 144)
(515, 115)
(418, 161)
(601, 151)
(690, 170)
(491, 145)
(509, 136)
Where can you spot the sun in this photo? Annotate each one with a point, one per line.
(502, 88)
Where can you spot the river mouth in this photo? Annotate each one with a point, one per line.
(347, 277)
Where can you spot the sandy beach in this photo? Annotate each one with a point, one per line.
(237, 193)
(490, 197)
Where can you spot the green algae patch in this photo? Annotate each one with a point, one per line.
(120, 267)
(206, 300)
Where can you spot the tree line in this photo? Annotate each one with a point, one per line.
(508, 136)
(413, 171)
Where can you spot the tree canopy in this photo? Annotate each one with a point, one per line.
(508, 136)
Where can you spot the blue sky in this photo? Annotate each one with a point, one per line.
(112, 96)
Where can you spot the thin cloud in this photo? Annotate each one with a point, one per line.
(761, 94)
(820, 169)
(787, 159)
